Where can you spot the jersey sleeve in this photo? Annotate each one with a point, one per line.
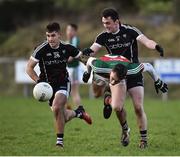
(74, 52)
(36, 55)
(100, 39)
(135, 32)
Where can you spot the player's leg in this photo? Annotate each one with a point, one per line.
(107, 110)
(118, 92)
(62, 115)
(58, 109)
(98, 90)
(125, 133)
(136, 92)
(101, 88)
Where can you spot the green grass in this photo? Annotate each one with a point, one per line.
(27, 128)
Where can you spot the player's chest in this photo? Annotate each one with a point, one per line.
(118, 41)
(56, 55)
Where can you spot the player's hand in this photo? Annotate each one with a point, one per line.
(160, 85)
(86, 77)
(87, 51)
(160, 50)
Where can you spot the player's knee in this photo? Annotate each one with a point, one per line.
(139, 110)
(56, 107)
(116, 107)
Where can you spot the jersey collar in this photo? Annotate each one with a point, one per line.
(116, 31)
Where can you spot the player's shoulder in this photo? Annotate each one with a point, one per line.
(65, 44)
(129, 28)
(41, 46)
(102, 34)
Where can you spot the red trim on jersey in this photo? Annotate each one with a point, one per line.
(107, 58)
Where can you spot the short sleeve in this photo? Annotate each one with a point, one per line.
(36, 55)
(73, 51)
(100, 39)
(135, 32)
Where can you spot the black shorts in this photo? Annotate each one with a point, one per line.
(61, 88)
(134, 81)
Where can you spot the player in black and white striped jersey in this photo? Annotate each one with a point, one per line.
(52, 56)
(121, 39)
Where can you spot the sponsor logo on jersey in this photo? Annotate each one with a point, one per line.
(119, 45)
(55, 62)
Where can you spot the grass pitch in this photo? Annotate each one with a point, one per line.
(27, 128)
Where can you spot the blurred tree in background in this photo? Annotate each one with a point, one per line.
(22, 25)
(23, 19)
(176, 13)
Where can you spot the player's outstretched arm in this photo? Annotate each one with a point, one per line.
(151, 44)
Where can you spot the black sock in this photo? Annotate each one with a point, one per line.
(125, 126)
(79, 111)
(60, 139)
(78, 114)
(143, 134)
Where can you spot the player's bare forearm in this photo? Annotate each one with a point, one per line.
(32, 74)
(30, 70)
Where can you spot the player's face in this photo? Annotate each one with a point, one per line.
(53, 39)
(70, 32)
(110, 25)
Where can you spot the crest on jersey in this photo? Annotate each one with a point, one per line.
(56, 55)
(124, 35)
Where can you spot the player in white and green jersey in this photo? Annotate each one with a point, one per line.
(111, 70)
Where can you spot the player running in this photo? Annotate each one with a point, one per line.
(52, 56)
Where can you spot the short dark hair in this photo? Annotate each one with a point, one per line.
(73, 25)
(54, 26)
(110, 12)
(120, 70)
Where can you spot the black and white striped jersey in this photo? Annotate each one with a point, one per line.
(53, 62)
(123, 42)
